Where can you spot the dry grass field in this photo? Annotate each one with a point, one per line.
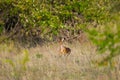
(44, 63)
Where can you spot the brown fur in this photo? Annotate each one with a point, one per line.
(63, 49)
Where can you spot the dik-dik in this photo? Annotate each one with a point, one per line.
(63, 49)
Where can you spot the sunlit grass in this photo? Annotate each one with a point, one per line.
(44, 63)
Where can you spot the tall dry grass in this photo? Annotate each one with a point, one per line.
(44, 63)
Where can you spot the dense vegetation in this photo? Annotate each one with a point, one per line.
(33, 20)
(49, 18)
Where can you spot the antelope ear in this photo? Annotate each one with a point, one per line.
(62, 39)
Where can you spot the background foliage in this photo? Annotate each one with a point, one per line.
(33, 20)
(51, 16)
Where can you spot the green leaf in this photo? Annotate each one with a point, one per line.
(9, 61)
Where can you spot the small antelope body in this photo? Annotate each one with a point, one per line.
(63, 49)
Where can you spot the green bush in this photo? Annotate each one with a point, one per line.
(18, 67)
(55, 15)
(107, 39)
